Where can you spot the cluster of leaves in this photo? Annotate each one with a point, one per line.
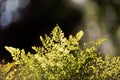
(61, 59)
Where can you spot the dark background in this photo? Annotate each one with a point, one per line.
(41, 16)
(38, 18)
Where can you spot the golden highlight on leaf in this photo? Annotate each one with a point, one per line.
(79, 35)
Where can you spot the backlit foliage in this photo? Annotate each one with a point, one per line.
(61, 58)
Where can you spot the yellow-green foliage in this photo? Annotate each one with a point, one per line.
(61, 59)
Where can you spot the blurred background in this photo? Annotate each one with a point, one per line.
(23, 21)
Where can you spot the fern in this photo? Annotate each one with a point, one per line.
(61, 58)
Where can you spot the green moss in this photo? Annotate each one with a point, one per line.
(61, 59)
